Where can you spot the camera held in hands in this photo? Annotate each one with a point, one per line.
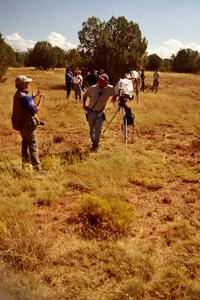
(36, 122)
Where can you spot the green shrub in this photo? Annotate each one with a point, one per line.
(103, 218)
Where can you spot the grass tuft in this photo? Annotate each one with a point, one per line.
(20, 244)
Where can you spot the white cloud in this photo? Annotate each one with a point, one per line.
(164, 50)
(18, 43)
(172, 46)
(21, 44)
(57, 39)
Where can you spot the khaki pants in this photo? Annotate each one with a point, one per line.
(155, 85)
(29, 148)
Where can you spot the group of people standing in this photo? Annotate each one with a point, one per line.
(74, 80)
(139, 77)
(24, 115)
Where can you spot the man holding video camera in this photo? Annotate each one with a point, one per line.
(24, 120)
(99, 95)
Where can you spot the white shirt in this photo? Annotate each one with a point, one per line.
(134, 74)
(156, 75)
(78, 79)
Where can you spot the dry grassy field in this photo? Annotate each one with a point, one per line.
(109, 225)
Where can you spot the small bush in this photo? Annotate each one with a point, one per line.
(58, 138)
(103, 218)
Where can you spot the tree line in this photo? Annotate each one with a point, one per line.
(115, 46)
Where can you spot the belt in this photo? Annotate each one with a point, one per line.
(96, 111)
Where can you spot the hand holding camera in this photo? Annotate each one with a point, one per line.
(38, 93)
(41, 94)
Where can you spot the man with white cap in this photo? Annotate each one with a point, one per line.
(24, 120)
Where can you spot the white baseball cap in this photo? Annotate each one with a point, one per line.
(22, 78)
(104, 77)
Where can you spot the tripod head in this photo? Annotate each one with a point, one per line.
(129, 116)
(123, 99)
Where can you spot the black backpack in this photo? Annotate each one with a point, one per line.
(17, 113)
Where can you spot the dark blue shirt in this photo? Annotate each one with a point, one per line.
(68, 77)
(28, 103)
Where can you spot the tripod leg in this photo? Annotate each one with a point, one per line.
(108, 124)
(125, 130)
(132, 134)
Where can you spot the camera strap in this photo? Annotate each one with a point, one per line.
(96, 102)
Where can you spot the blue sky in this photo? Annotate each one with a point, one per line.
(168, 25)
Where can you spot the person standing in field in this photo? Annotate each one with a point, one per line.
(156, 81)
(68, 81)
(99, 95)
(24, 120)
(77, 81)
(142, 81)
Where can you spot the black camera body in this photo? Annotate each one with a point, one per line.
(40, 123)
(122, 100)
(129, 116)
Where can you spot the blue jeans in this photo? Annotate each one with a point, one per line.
(95, 120)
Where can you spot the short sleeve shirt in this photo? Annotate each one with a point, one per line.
(156, 75)
(28, 103)
(68, 77)
(98, 96)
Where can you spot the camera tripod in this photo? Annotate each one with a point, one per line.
(128, 118)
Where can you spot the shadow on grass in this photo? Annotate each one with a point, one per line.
(58, 87)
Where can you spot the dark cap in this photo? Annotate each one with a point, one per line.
(104, 77)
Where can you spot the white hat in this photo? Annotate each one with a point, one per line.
(22, 78)
(104, 77)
